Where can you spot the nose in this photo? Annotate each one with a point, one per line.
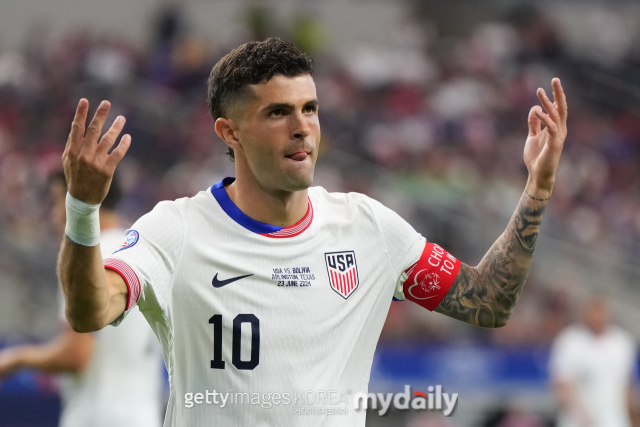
(301, 129)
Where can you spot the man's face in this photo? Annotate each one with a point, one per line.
(279, 133)
(598, 316)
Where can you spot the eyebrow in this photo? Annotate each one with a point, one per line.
(286, 106)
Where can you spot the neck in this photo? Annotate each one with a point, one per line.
(280, 208)
(598, 331)
(108, 220)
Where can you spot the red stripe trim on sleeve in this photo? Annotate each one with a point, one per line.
(129, 276)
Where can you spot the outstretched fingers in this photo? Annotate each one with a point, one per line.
(95, 127)
(535, 124)
(551, 126)
(88, 167)
(120, 151)
(548, 105)
(109, 138)
(77, 126)
(560, 100)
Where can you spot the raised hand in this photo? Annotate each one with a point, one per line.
(88, 166)
(486, 295)
(544, 146)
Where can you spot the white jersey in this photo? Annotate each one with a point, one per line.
(122, 384)
(264, 325)
(600, 369)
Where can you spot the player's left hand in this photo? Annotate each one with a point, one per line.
(544, 146)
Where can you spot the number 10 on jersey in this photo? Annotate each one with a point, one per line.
(217, 362)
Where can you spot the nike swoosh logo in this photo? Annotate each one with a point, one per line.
(220, 283)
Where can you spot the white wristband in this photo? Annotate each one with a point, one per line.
(83, 222)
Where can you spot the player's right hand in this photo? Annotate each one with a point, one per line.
(88, 166)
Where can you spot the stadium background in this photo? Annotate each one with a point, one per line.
(423, 107)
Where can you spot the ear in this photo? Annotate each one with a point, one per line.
(227, 131)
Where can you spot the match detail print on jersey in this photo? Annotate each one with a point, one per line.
(267, 230)
(343, 272)
(431, 277)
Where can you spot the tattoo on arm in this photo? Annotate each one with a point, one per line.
(486, 295)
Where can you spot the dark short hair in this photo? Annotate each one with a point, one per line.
(249, 64)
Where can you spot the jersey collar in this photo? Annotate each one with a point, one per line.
(268, 230)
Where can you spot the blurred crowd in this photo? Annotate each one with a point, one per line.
(443, 116)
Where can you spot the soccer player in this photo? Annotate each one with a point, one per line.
(261, 285)
(592, 366)
(112, 377)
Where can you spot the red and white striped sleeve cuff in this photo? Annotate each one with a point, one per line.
(130, 278)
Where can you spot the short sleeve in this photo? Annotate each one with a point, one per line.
(404, 245)
(562, 359)
(148, 256)
(631, 352)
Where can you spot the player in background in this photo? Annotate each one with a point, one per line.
(262, 284)
(112, 377)
(592, 367)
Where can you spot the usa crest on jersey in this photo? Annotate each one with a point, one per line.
(343, 272)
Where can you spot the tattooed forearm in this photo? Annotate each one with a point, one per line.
(486, 295)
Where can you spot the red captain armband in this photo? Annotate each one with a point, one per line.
(431, 277)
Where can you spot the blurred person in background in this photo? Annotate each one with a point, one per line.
(592, 368)
(112, 377)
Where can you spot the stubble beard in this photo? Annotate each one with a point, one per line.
(298, 181)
